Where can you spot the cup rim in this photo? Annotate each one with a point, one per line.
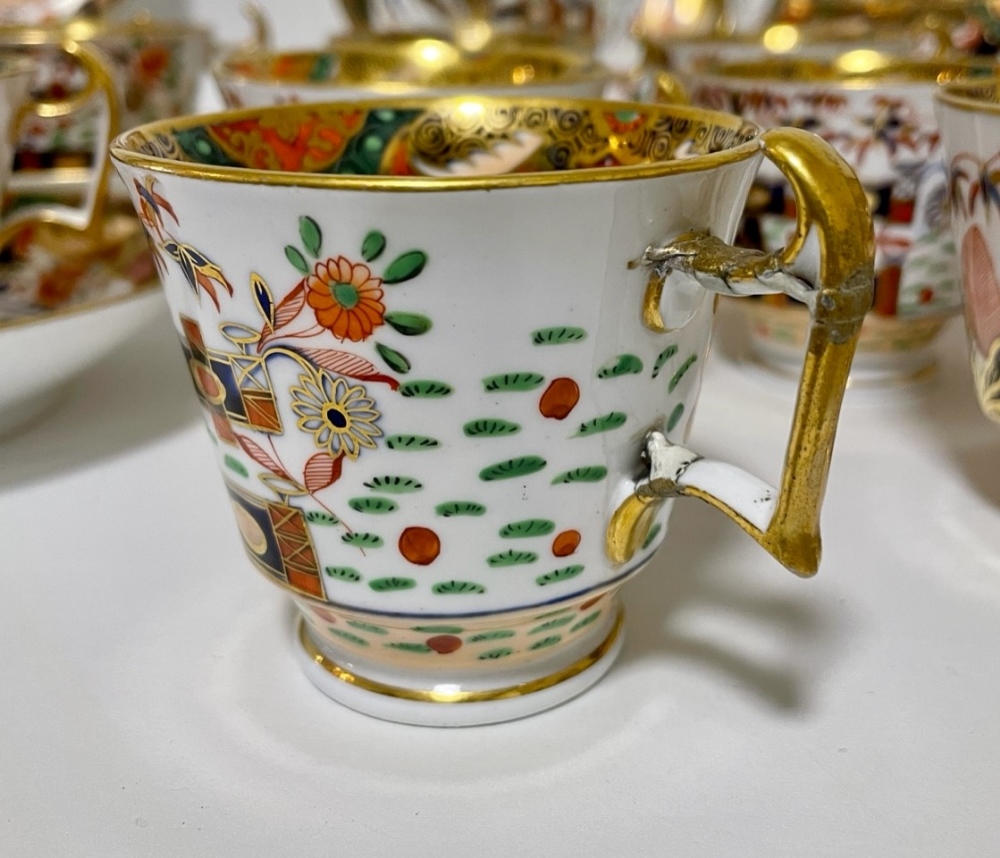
(124, 152)
(884, 68)
(86, 29)
(578, 66)
(960, 95)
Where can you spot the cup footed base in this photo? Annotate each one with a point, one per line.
(463, 699)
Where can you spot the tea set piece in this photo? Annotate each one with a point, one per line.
(61, 308)
(969, 115)
(876, 109)
(452, 451)
(155, 64)
(76, 276)
(402, 65)
(466, 53)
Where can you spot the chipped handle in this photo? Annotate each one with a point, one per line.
(828, 265)
(87, 215)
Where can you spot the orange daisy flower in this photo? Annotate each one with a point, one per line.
(347, 298)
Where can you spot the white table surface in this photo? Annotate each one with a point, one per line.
(150, 704)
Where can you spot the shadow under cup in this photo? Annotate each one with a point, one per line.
(432, 350)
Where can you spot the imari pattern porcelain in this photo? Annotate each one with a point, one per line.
(74, 279)
(405, 65)
(878, 113)
(155, 65)
(448, 353)
(970, 126)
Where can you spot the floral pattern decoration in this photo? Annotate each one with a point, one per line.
(347, 299)
(334, 300)
(341, 418)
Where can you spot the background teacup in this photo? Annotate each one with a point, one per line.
(564, 20)
(969, 114)
(48, 331)
(449, 349)
(15, 87)
(361, 68)
(904, 29)
(155, 66)
(97, 93)
(877, 111)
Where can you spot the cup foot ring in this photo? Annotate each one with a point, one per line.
(439, 708)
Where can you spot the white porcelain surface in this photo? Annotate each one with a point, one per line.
(151, 695)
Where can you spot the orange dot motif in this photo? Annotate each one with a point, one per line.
(559, 399)
(566, 543)
(420, 545)
(444, 644)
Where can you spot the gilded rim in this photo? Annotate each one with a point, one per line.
(874, 69)
(430, 696)
(970, 96)
(121, 152)
(577, 68)
(90, 29)
(810, 33)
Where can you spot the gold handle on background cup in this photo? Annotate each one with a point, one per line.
(653, 85)
(359, 15)
(828, 265)
(668, 89)
(260, 38)
(84, 217)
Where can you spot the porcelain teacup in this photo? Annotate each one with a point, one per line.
(61, 305)
(969, 115)
(17, 107)
(154, 65)
(448, 351)
(876, 109)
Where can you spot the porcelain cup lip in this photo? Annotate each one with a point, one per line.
(255, 66)
(976, 96)
(126, 149)
(91, 29)
(866, 68)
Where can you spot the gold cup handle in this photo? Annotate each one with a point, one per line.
(652, 84)
(828, 265)
(85, 216)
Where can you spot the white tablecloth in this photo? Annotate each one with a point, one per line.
(150, 705)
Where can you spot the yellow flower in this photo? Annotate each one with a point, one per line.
(341, 418)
